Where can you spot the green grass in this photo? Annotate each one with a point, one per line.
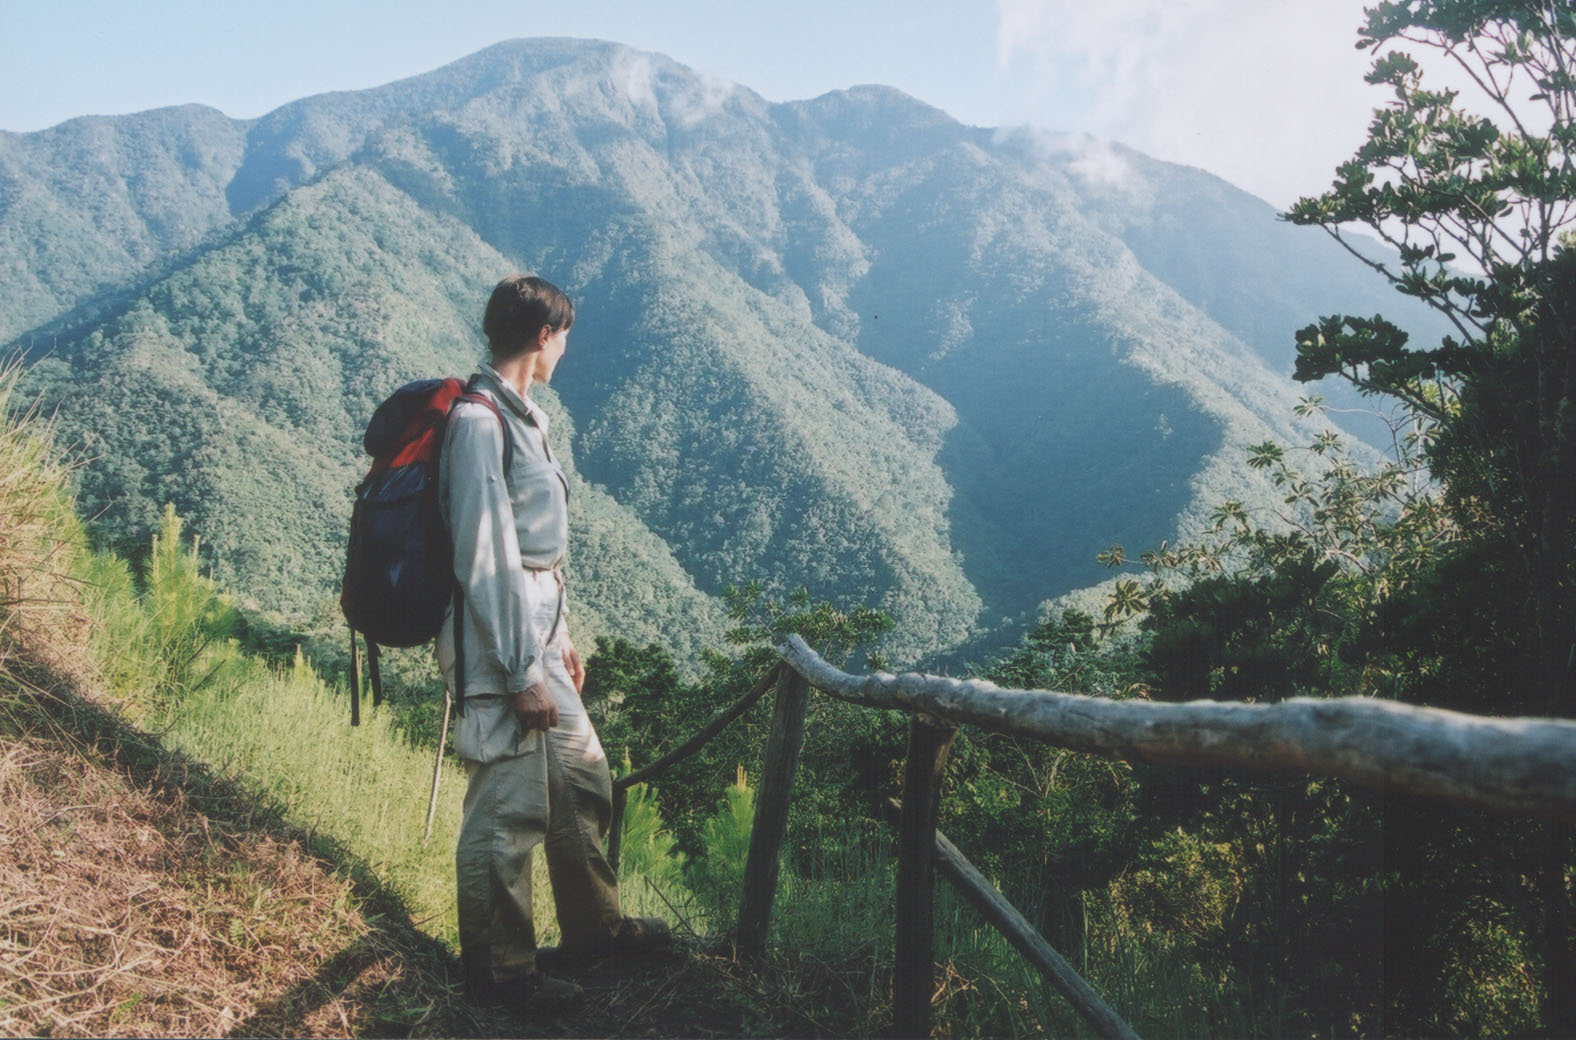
(835, 919)
(286, 733)
(161, 647)
(42, 543)
(1153, 980)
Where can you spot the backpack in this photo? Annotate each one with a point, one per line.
(399, 564)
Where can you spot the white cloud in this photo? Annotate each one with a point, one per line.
(686, 100)
(705, 100)
(1267, 93)
(1093, 160)
(632, 74)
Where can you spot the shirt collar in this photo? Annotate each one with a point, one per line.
(512, 398)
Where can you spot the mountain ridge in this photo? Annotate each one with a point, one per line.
(846, 342)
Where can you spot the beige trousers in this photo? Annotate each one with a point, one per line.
(527, 789)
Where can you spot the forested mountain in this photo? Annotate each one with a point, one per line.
(847, 343)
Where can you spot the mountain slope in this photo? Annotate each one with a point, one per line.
(846, 343)
(258, 363)
(86, 205)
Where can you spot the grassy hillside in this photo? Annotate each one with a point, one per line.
(145, 895)
(198, 844)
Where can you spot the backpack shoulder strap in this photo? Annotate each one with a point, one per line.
(472, 395)
(487, 402)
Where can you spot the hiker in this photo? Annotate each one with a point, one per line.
(538, 775)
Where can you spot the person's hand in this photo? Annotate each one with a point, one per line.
(535, 709)
(577, 668)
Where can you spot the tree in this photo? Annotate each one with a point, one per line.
(1476, 191)
(643, 707)
(1297, 601)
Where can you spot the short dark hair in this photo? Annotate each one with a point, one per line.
(518, 309)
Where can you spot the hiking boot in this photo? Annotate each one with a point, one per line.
(632, 937)
(638, 935)
(536, 990)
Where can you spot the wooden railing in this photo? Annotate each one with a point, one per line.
(1511, 765)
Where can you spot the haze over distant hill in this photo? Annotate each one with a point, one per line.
(847, 343)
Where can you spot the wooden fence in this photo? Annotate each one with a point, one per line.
(1511, 765)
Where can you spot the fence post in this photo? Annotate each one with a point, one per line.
(771, 812)
(929, 741)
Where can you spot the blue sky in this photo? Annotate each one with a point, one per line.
(1266, 93)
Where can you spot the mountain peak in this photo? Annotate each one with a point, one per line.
(514, 59)
(876, 103)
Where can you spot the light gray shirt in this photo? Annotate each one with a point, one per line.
(502, 526)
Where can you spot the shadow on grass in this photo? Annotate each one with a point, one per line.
(401, 980)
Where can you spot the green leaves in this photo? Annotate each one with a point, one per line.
(1371, 353)
(1262, 456)
(1230, 513)
(717, 875)
(1269, 602)
(1128, 599)
(835, 632)
(1397, 69)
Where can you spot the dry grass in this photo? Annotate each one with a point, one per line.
(141, 897)
(40, 541)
